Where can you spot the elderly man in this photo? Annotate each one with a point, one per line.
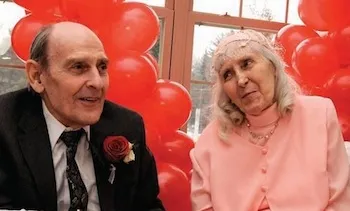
(60, 141)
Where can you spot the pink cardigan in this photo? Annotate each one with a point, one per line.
(303, 167)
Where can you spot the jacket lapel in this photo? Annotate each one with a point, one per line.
(119, 195)
(35, 145)
(116, 196)
(102, 171)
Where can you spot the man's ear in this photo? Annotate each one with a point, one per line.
(33, 72)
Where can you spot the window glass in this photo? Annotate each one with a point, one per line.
(10, 14)
(11, 79)
(293, 16)
(201, 96)
(205, 40)
(270, 10)
(221, 7)
(159, 3)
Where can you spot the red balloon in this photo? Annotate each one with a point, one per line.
(104, 34)
(89, 12)
(39, 7)
(177, 149)
(311, 16)
(323, 15)
(168, 108)
(345, 127)
(153, 141)
(336, 13)
(24, 32)
(174, 188)
(315, 59)
(338, 86)
(135, 26)
(153, 60)
(294, 74)
(344, 119)
(290, 36)
(341, 40)
(319, 91)
(132, 78)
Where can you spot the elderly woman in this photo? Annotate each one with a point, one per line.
(268, 147)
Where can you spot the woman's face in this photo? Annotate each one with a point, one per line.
(248, 79)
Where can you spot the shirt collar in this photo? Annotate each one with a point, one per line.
(56, 128)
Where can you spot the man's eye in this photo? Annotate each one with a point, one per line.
(103, 67)
(78, 66)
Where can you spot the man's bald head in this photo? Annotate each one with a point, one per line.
(60, 33)
(67, 26)
(74, 82)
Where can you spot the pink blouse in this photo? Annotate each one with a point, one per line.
(302, 167)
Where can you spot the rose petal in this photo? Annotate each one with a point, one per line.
(116, 148)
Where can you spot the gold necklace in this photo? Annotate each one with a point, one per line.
(264, 137)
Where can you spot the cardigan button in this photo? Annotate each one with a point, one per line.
(263, 170)
(264, 151)
(264, 189)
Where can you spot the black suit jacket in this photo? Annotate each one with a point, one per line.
(27, 178)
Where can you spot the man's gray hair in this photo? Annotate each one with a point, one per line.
(39, 50)
(39, 47)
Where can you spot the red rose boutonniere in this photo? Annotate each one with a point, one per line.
(118, 148)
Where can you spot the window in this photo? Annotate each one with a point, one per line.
(293, 16)
(206, 38)
(270, 10)
(12, 76)
(231, 7)
(157, 48)
(159, 3)
(11, 79)
(10, 59)
(201, 96)
(10, 14)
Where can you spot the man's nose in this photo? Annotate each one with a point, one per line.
(95, 79)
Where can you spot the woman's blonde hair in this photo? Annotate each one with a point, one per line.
(224, 111)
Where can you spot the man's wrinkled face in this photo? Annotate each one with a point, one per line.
(76, 81)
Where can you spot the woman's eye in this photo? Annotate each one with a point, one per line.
(246, 63)
(227, 75)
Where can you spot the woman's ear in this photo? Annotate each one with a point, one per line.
(273, 66)
(33, 72)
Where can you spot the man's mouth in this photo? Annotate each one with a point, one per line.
(90, 99)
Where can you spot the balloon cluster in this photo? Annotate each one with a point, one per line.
(128, 31)
(318, 53)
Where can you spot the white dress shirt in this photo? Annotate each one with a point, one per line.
(83, 158)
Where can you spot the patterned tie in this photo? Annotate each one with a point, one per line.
(77, 189)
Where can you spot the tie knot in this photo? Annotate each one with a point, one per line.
(71, 138)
